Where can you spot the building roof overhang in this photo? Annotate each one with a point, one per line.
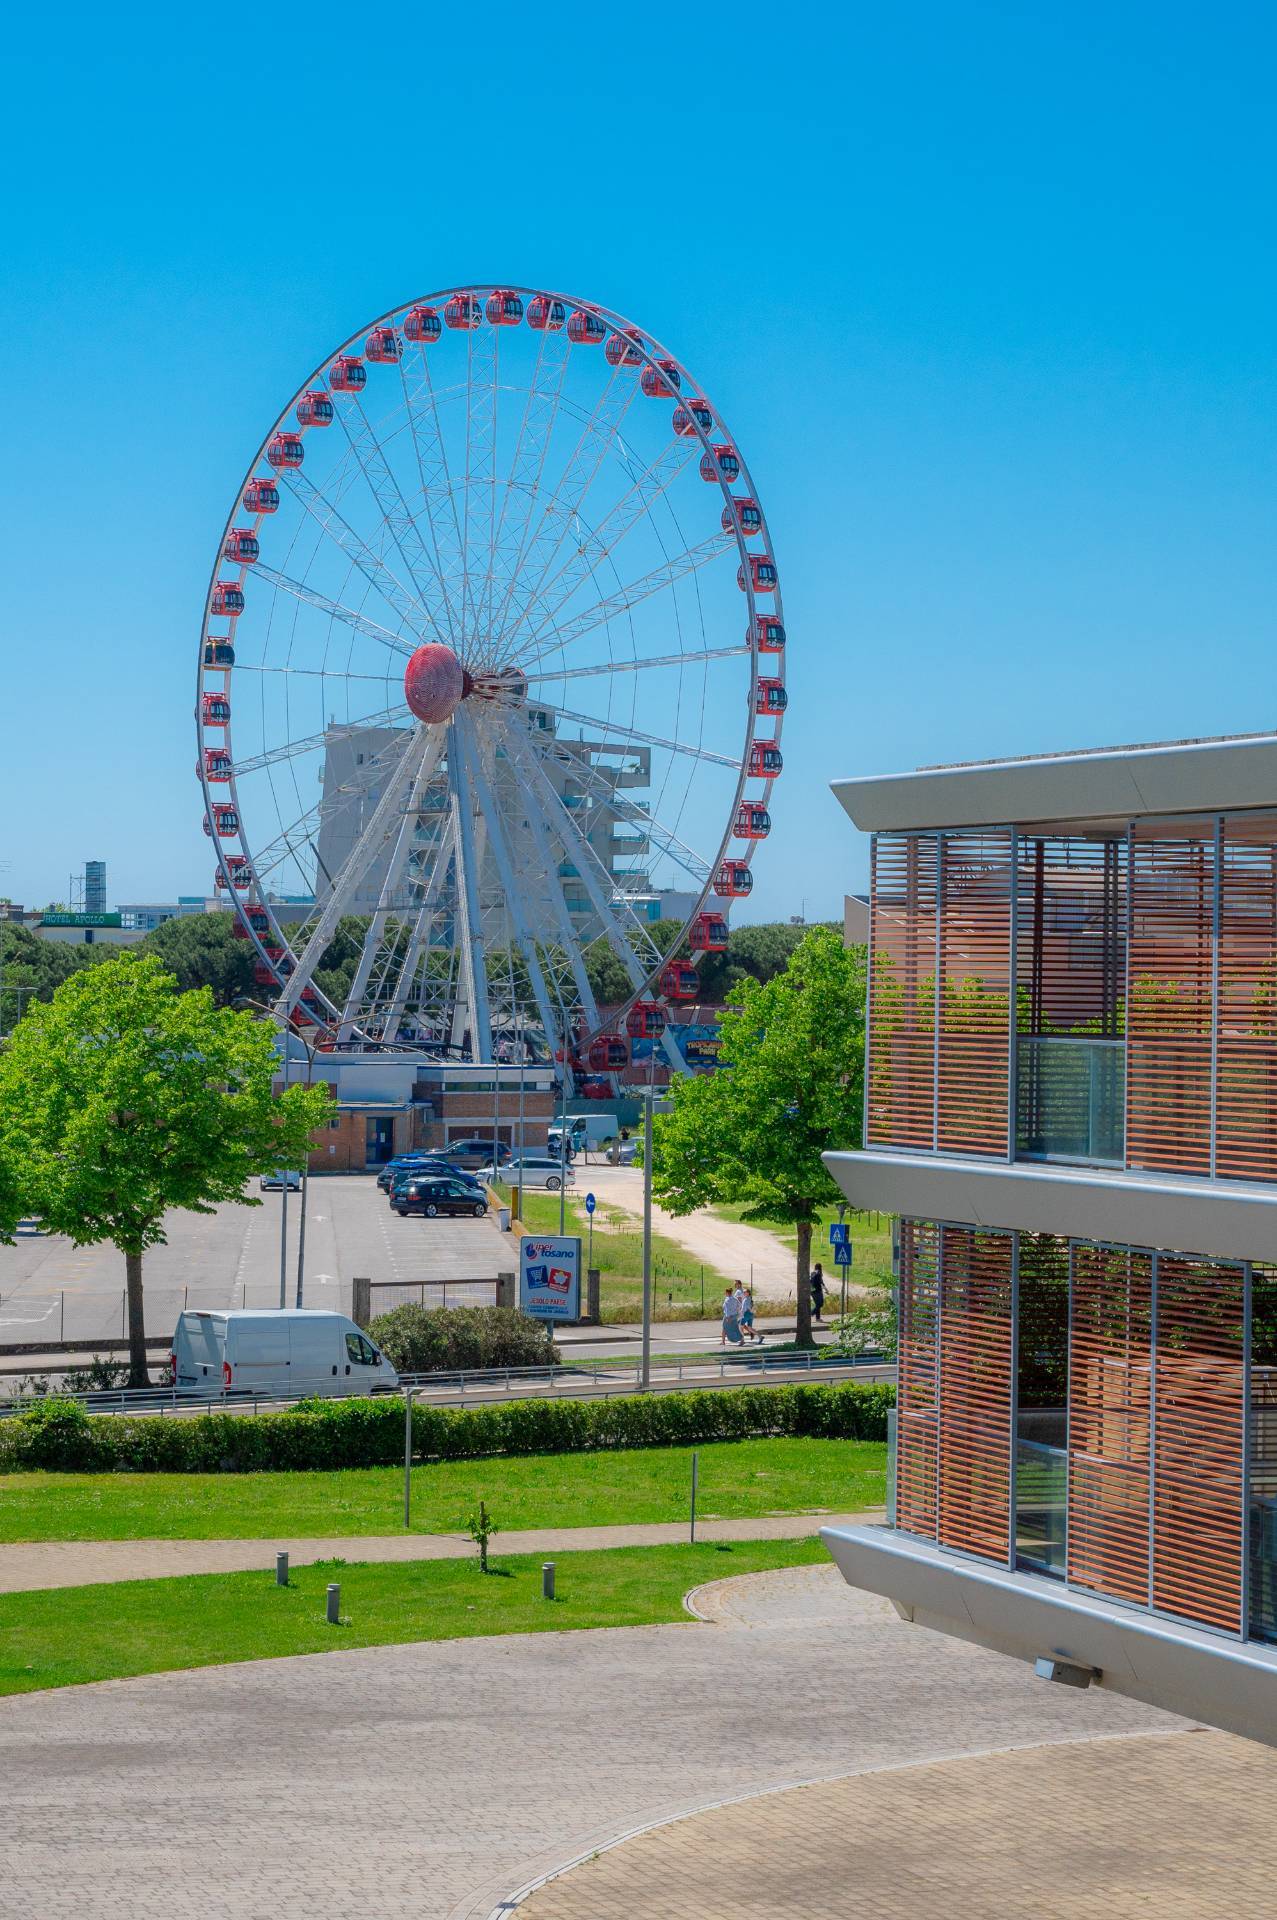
(1109, 786)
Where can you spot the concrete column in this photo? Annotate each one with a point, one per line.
(593, 1306)
(507, 1294)
(361, 1300)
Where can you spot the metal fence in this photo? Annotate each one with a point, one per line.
(42, 1321)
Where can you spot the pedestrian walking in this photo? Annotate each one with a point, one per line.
(817, 1286)
(731, 1334)
(747, 1316)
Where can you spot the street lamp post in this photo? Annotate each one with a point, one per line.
(243, 1002)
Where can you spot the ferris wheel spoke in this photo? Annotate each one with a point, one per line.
(598, 436)
(641, 739)
(666, 841)
(528, 466)
(431, 454)
(366, 850)
(334, 609)
(625, 598)
(293, 749)
(395, 512)
(316, 673)
(481, 351)
(599, 546)
(636, 666)
(374, 569)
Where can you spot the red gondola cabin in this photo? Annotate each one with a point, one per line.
(679, 981)
(264, 975)
(771, 697)
(585, 329)
(733, 880)
(464, 310)
(219, 653)
(383, 346)
(769, 634)
(720, 463)
(645, 1020)
(592, 1088)
(745, 515)
(762, 574)
(661, 381)
(608, 1054)
(314, 409)
(622, 348)
(347, 374)
(690, 414)
(215, 710)
(545, 314)
(228, 599)
(422, 325)
(752, 823)
(261, 496)
(505, 309)
(708, 933)
(765, 761)
(225, 821)
(242, 546)
(285, 450)
(217, 764)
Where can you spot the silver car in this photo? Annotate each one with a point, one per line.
(531, 1170)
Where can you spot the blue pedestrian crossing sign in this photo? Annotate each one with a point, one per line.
(842, 1253)
(839, 1234)
(589, 1203)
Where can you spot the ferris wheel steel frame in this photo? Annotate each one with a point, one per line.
(526, 632)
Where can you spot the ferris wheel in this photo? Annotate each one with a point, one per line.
(491, 671)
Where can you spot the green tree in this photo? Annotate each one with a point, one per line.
(788, 1088)
(200, 950)
(122, 1097)
(33, 969)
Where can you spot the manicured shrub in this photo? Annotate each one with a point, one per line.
(328, 1434)
(450, 1339)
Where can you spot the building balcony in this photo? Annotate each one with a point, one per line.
(1070, 1099)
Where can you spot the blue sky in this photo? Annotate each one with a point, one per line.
(986, 292)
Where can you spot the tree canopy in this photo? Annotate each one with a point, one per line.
(788, 1088)
(123, 1097)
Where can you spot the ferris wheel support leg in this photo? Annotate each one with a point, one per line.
(357, 863)
(474, 968)
(541, 837)
(505, 869)
(419, 940)
(375, 938)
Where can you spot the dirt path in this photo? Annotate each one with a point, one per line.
(733, 1250)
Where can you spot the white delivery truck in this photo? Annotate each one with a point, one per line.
(587, 1132)
(290, 1350)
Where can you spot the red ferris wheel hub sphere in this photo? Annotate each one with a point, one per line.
(435, 683)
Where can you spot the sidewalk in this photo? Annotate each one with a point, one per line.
(32, 1567)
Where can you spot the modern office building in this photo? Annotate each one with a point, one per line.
(1071, 1105)
(95, 886)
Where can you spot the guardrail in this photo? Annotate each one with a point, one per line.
(580, 1377)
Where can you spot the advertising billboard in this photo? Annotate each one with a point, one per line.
(550, 1277)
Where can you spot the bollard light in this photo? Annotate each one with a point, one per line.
(547, 1580)
(334, 1605)
(281, 1569)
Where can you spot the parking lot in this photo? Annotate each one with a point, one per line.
(51, 1290)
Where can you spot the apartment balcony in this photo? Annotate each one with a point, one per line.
(1070, 1100)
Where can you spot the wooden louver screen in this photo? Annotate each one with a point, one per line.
(1171, 995)
(902, 1046)
(1156, 1404)
(941, 912)
(975, 1391)
(1246, 1063)
(917, 1378)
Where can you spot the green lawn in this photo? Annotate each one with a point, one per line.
(870, 1240)
(66, 1636)
(683, 1287)
(737, 1480)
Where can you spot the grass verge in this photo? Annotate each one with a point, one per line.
(67, 1636)
(870, 1240)
(737, 1480)
(684, 1288)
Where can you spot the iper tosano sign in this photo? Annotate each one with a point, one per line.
(550, 1278)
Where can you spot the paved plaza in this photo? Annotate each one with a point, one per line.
(432, 1781)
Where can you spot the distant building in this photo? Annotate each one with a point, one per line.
(144, 918)
(95, 886)
(855, 919)
(87, 930)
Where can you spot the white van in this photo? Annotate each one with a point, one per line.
(293, 1350)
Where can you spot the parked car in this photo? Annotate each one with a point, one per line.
(429, 1195)
(282, 1177)
(293, 1350)
(531, 1170)
(475, 1153)
(434, 1170)
(408, 1163)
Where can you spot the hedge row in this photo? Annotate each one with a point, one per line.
(369, 1433)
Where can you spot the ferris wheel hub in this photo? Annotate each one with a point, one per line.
(434, 683)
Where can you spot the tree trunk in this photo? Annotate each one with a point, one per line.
(803, 1333)
(138, 1375)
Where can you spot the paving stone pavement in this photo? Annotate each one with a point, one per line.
(428, 1781)
(1177, 1825)
(32, 1566)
